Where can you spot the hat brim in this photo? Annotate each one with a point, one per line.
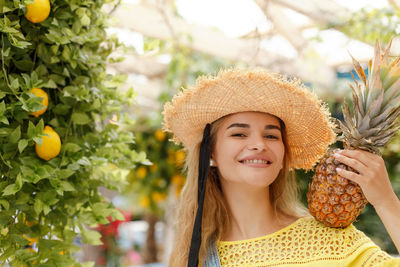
(309, 128)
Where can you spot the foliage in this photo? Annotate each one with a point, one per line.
(151, 181)
(368, 25)
(51, 202)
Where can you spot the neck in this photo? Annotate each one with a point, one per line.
(251, 212)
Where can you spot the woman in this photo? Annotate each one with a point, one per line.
(244, 131)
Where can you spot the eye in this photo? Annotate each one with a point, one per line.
(270, 136)
(238, 135)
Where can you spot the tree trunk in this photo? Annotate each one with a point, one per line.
(149, 252)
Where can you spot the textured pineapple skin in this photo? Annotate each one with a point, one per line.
(333, 200)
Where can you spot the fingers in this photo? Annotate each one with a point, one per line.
(369, 172)
(354, 163)
(349, 175)
(364, 156)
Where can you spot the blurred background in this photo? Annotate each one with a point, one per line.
(167, 44)
(153, 49)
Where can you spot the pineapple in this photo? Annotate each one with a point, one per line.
(334, 200)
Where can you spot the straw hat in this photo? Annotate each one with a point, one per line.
(307, 120)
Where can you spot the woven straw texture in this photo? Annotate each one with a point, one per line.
(307, 120)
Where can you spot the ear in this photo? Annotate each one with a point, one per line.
(212, 161)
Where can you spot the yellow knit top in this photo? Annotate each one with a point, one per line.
(306, 242)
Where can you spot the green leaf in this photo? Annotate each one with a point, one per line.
(80, 118)
(61, 109)
(84, 161)
(38, 206)
(91, 237)
(14, 84)
(4, 120)
(51, 84)
(40, 126)
(15, 135)
(5, 204)
(42, 172)
(85, 20)
(24, 65)
(18, 181)
(31, 130)
(117, 215)
(64, 173)
(2, 107)
(46, 209)
(38, 140)
(4, 132)
(10, 190)
(72, 147)
(22, 145)
(27, 79)
(58, 79)
(67, 186)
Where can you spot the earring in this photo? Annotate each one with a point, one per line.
(212, 163)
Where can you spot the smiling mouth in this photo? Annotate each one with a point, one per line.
(256, 161)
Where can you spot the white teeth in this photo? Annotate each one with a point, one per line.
(256, 161)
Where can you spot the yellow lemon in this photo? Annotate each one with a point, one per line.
(178, 180)
(144, 202)
(38, 11)
(50, 146)
(180, 157)
(45, 101)
(141, 172)
(160, 135)
(158, 196)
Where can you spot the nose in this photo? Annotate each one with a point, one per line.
(256, 142)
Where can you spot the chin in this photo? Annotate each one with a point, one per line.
(259, 181)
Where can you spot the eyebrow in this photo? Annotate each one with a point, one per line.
(245, 125)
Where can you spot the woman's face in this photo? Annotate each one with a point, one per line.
(249, 149)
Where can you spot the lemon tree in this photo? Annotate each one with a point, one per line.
(57, 145)
(151, 182)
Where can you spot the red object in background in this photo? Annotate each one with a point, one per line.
(112, 227)
(109, 236)
(101, 261)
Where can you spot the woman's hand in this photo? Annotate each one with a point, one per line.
(374, 181)
(372, 176)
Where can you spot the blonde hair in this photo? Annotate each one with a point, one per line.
(216, 217)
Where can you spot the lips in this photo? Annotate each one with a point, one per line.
(256, 160)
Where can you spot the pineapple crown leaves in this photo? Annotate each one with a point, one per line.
(376, 103)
